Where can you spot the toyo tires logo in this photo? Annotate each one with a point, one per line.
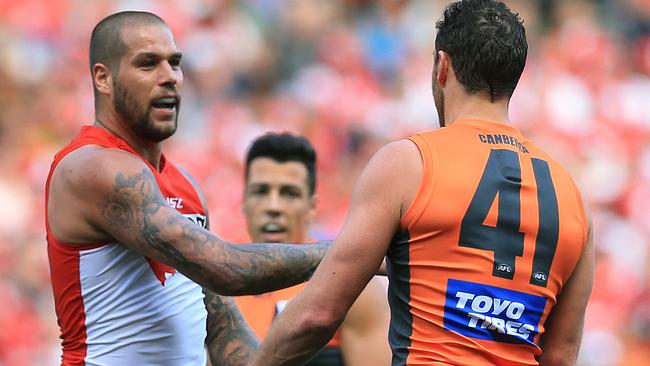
(493, 313)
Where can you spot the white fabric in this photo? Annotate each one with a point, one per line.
(131, 319)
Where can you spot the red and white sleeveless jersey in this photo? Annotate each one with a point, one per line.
(116, 307)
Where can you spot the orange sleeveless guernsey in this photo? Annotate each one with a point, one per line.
(495, 231)
(260, 310)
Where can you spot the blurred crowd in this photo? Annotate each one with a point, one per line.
(350, 75)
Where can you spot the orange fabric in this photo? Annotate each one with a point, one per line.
(432, 261)
(260, 310)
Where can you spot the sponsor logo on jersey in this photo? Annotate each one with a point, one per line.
(199, 220)
(540, 276)
(504, 268)
(492, 313)
(174, 202)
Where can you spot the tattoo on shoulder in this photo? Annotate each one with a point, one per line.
(132, 206)
(130, 196)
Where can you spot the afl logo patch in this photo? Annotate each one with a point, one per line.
(540, 276)
(504, 268)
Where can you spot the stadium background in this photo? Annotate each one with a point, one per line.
(350, 75)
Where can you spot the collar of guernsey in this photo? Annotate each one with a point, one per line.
(109, 140)
(484, 123)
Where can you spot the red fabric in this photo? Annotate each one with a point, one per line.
(97, 136)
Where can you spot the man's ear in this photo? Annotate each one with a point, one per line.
(102, 78)
(244, 207)
(442, 70)
(313, 202)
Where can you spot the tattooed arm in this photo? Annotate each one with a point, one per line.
(312, 317)
(105, 194)
(230, 341)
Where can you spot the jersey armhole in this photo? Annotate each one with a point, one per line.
(427, 184)
(198, 192)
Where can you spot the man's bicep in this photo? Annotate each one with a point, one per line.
(81, 189)
(121, 199)
(374, 217)
(366, 234)
(387, 184)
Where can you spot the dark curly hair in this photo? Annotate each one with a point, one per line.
(486, 43)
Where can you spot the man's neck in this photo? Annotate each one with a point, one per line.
(477, 107)
(151, 152)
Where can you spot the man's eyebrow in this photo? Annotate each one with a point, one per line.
(291, 185)
(154, 55)
(258, 184)
(145, 55)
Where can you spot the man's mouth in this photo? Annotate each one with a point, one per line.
(272, 228)
(166, 103)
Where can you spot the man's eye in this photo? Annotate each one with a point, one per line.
(175, 63)
(292, 194)
(258, 192)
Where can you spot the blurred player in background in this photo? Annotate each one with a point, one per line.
(490, 256)
(121, 219)
(279, 205)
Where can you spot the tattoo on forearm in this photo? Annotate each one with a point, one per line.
(137, 210)
(230, 340)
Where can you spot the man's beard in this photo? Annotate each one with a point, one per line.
(139, 118)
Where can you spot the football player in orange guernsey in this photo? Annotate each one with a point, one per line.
(488, 242)
(279, 204)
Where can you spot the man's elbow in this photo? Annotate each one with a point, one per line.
(229, 282)
(210, 271)
(558, 358)
(321, 322)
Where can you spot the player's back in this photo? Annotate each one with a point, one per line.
(495, 231)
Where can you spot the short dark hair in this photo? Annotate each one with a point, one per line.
(284, 147)
(106, 43)
(486, 43)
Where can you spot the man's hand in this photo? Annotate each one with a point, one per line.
(377, 203)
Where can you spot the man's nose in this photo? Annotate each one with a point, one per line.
(273, 204)
(169, 75)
